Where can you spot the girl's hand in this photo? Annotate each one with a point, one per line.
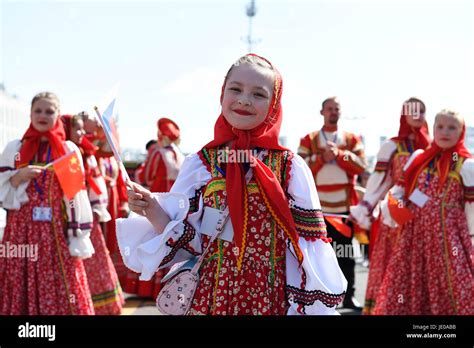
(25, 174)
(142, 202)
(139, 199)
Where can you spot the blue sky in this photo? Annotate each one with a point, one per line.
(170, 58)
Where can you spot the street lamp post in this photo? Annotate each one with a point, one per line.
(251, 11)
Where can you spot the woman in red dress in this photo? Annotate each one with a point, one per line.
(50, 278)
(431, 269)
(393, 155)
(103, 281)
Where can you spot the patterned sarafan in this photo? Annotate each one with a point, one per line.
(383, 245)
(430, 272)
(258, 286)
(54, 284)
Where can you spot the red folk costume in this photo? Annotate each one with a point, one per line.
(117, 196)
(335, 182)
(277, 260)
(160, 171)
(164, 162)
(430, 271)
(103, 281)
(391, 159)
(139, 176)
(50, 278)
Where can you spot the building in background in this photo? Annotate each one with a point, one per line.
(14, 117)
(470, 139)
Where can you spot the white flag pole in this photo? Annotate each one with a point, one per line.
(344, 216)
(112, 146)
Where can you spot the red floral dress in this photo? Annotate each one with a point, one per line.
(431, 270)
(53, 282)
(103, 281)
(386, 236)
(258, 287)
(111, 173)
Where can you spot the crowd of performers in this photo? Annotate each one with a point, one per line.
(288, 213)
(78, 269)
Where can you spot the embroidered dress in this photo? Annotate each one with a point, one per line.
(48, 281)
(103, 281)
(269, 280)
(162, 168)
(116, 196)
(431, 269)
(102, 278)
(391, 159)
(259, 286)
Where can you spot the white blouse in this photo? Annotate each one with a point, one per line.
(143, 249)
(98, 201)
(377, 186)
(12, 198)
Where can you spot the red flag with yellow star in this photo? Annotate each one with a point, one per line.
(69, 172)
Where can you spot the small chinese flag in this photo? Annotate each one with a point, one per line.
(339, 225)
(400, 214)
(361, 235)
(69, 172)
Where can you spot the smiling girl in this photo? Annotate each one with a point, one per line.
(101, 275)
(39, 214)
(392, 157)
(431, 269)
(277, 259)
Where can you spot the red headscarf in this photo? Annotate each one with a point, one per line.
(31, 141)
(422, 138)
(86, 146)
(443, 164)
(264, 136)
(168, 128)
(87, 149)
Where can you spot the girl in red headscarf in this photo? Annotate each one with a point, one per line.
(159, 173)
(274, 257)
(393, 155)
(103, 282)
(165, 160)
(431, 269)
(117, 196)
(47, 233)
